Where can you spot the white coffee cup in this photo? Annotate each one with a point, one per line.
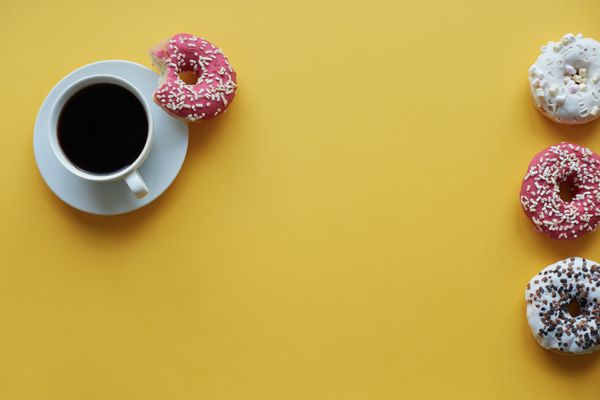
(129, 173)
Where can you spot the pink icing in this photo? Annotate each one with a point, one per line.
(216, 85)
(540, 198)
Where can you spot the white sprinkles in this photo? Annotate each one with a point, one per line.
(216, 85)
(540, 191)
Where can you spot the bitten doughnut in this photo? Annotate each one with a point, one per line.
(579, 168)
(549, 295)
(210, 95)
(565, 80)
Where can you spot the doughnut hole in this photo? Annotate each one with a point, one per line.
(566, 190)
(574, 308)
(189, 77)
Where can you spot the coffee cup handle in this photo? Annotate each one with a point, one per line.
(136, 184)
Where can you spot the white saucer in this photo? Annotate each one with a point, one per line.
(110, 198)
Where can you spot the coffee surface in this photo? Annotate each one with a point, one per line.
(102, 128)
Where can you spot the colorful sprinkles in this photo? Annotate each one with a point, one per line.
(210, 95)
(540, 191)
(549, 295)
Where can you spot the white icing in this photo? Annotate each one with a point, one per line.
(548, 296)
(560, 80)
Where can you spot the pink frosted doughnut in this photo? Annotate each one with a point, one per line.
(216, 85)
(540, 198)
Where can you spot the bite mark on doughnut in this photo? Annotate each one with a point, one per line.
(178, 94)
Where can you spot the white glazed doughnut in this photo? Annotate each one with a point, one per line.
(565, 80)
(549, 295)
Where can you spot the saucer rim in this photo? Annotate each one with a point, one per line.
(38, 157)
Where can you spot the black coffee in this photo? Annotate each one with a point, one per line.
(102, 128)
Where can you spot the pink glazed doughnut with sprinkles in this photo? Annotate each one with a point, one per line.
(563, 164)
(210, 95)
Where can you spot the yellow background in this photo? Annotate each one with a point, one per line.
(349, 230)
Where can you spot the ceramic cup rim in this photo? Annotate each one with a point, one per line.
(57, 107)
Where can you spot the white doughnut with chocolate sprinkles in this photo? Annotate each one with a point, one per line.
(549, 296)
